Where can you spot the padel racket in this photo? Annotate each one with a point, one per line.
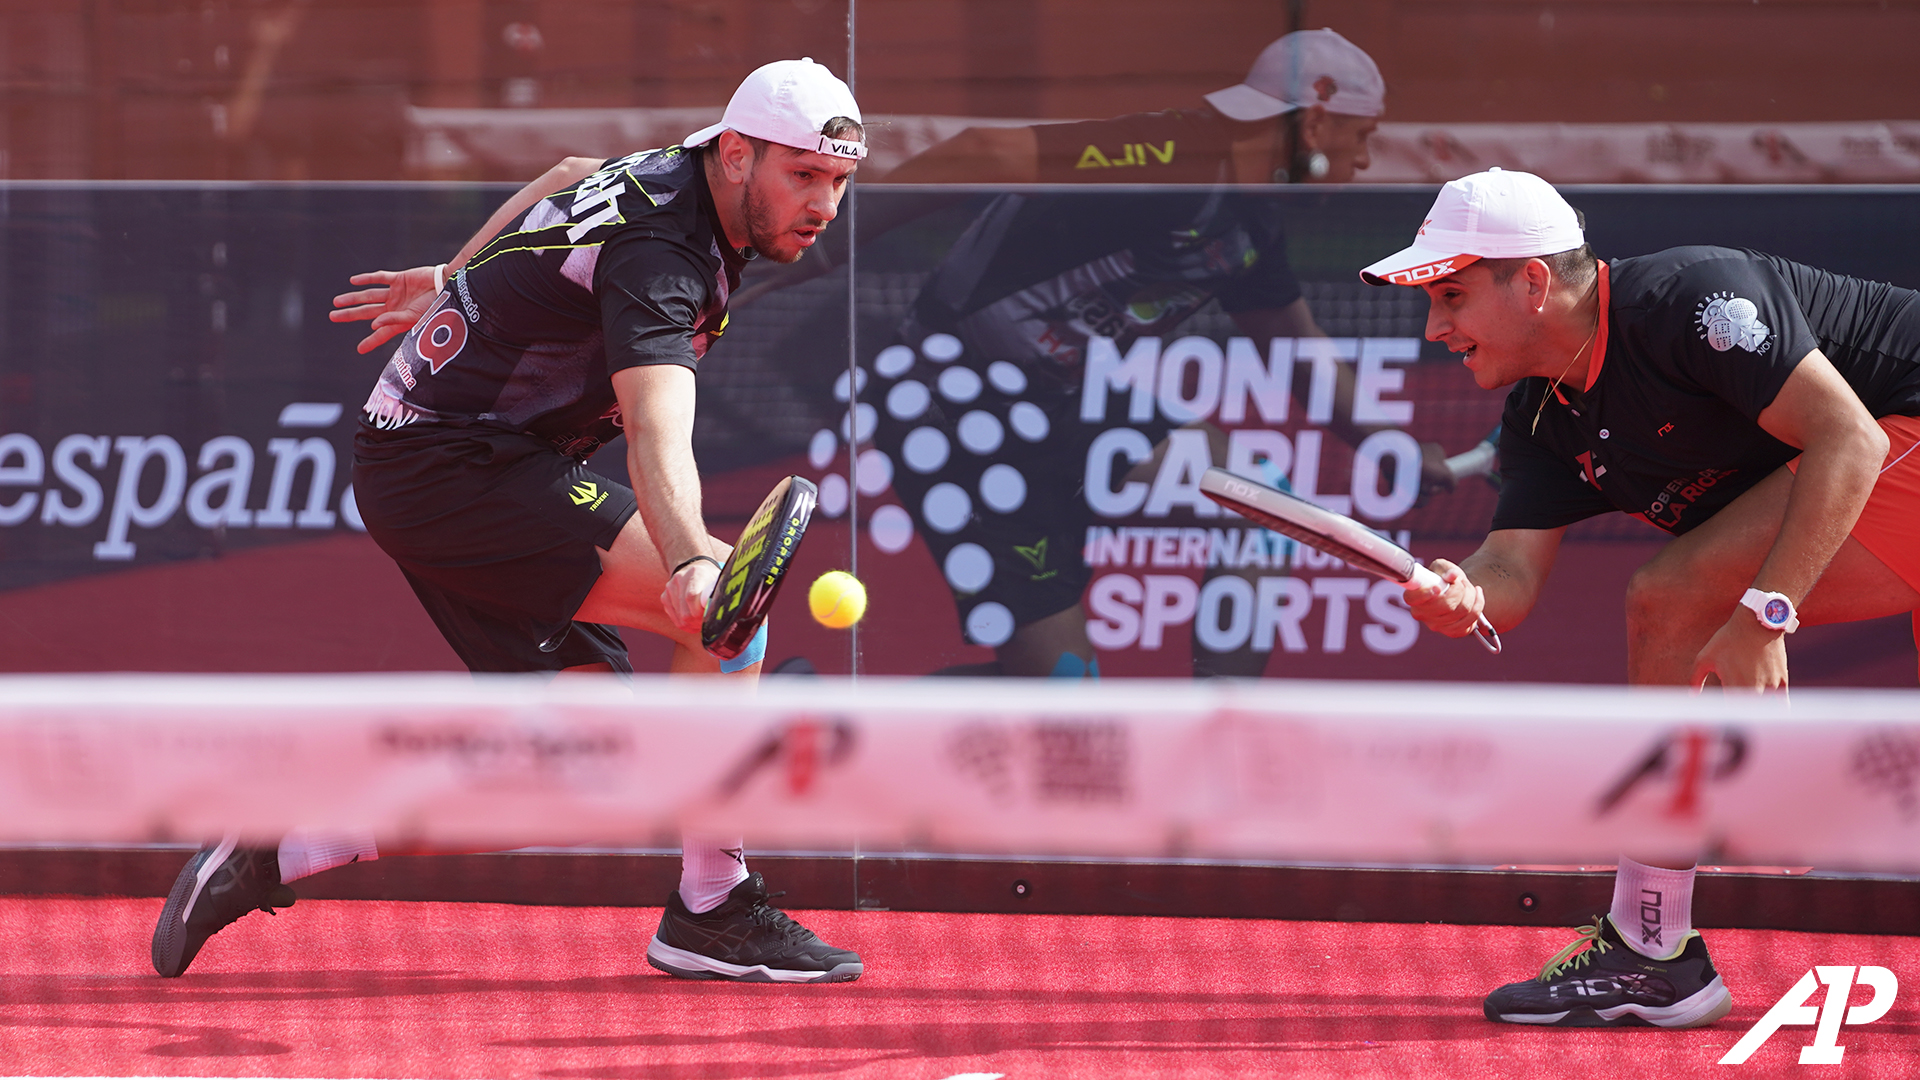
(1335, 534)
(751, 576)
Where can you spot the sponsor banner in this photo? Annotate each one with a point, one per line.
(176, 398)
(1296, 770)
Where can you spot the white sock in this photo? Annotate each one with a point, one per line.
(709, 871)
(305, 852)
(1652, 908)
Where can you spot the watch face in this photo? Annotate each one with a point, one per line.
(1775, 612)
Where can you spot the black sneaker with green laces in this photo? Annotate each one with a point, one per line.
(218, 885)
(1599, 981)
(748, 940)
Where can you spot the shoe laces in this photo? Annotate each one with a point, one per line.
(1579, 951)
(776, 921)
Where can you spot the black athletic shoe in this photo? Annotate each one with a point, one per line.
(218, 885)
(1599, 981)
(747, 939)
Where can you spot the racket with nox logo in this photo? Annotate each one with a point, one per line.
(751, 576)
(1322, 529)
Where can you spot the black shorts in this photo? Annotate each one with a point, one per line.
(496, 531)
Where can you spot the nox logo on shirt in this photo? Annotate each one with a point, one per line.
(1727, 320)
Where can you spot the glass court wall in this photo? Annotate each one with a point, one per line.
(1064, 284)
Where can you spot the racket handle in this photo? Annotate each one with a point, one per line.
(1423, 578)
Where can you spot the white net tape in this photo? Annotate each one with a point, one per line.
(1289, 770)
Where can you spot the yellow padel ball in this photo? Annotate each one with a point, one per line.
(837, 599)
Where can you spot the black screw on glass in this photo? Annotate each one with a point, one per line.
(1528, 901)
(1021, 888)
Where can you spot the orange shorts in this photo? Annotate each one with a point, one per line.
(1889, 525)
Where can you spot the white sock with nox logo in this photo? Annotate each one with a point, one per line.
(709, 871)
(305, 852)
(1652, 908)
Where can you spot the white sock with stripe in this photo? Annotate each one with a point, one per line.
(1652, 908)
(305, 852)
(709, 871)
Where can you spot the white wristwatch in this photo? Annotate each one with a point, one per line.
(1773, 609)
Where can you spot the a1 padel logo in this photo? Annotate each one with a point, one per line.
(1727, 320)
(1792, 1010)
(587, 493)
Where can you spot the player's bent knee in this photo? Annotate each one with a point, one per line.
(1666, 595)
(1649, 597)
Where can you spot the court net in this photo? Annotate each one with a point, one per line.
(1316, 772)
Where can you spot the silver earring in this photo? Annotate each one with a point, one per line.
(1318, 165)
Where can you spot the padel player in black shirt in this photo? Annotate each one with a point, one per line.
(581, 310)
(1762, 411)
(1697, 343)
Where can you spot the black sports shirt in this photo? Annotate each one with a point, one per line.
(1035, 277)
(627, 268)
(1697, 342)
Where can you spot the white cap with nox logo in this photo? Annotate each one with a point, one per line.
(1491, 215)
(1303, 69)
(788, 102)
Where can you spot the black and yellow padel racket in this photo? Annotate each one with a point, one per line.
(751, 576)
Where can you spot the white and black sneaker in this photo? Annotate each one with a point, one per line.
(746, 939)
(218, 885)
(1599, 981)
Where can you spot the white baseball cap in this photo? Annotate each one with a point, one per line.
(1303, 69)
(1491, 215)
(788, 102)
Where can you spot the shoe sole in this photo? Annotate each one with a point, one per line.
(1708, 1004)
(173, 945)
(691, 965)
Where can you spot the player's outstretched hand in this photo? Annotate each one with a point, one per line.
(398, 301)
(1743, 655)
(685, 596)
(1452, 610)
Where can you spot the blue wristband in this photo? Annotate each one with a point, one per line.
(755, 652)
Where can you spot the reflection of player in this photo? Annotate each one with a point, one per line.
(981, 403)
(1303, 114)
(1727, 397)
(582, 309)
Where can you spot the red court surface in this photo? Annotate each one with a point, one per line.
(387, 990)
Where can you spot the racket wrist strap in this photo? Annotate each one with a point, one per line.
(755, 652)
(684, 563)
